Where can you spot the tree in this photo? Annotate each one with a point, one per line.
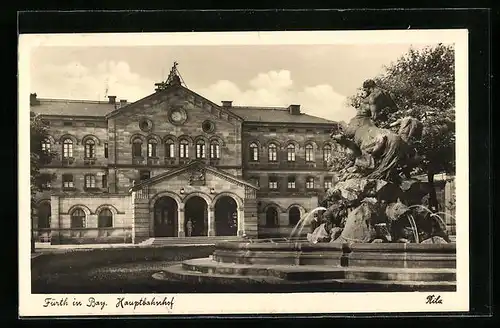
(38, 157)
(422, 83)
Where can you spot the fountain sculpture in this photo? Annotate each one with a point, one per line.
(374, 229)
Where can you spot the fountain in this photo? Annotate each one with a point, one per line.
(374, 233)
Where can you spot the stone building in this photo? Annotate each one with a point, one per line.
(175, 164)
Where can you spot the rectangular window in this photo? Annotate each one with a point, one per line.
(273, 183)
(67, 180)
(255, 181)
(68, 124)
(144, 175)
(291, 183)
(90, 124)
(310, 183)
(90, 181)
(328, 183)
(105, 181)
(105, 150)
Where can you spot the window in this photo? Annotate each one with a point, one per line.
(200, 149)
(46, 146)
(328, 183)
(67, 148)
(105, 181)
(90, 124)
(78, 219)
(310, 183)
(137, 147)
(290, 150)
(309, 153)
(255, 181)
(169, 149)
(291, 183)
(89, 148)
(273, 183)
(152, 148)
(144, 175)
(184, 149)
(214, 150)
(106, 150)
(273, 153)
(272, 130)
(68, 124)
(67, 180)
(327, 152)
(254, 152)
(105, 219)
(293, 216)
(89, 181)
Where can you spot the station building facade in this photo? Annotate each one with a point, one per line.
(175, 164)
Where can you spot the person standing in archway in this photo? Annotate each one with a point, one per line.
(189, 227)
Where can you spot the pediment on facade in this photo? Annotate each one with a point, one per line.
(177, 96)
(195, 174)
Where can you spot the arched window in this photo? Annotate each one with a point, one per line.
(46, 145)
(89, 148)
(309, 153)
(78, 218)
(184, 149)
(327, 152)
(200, 149)
(169, 149)
(137, 147)
(272, 217)
(310, 183)
(152, 148)
(67, 148)
(214, 150)
(293, 216)
(290, 150)
(105, 219)
(254, 152)
(273, 153)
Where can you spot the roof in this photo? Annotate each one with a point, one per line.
(68, 107)
(275, 115)
(192, 164)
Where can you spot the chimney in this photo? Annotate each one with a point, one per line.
(294, 109)
(227, 103)
(112, 99)
(123, 102)
(33, 100)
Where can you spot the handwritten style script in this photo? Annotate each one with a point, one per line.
(122, 302)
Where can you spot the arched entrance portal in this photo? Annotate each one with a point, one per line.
(271, 217)
(226, 217)
(293, 216)
(165, 217)
(196, 212)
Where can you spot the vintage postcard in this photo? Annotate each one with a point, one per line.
(243, 173)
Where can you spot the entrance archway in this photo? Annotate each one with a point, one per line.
(44, 214)
(293, 216)
(165, 217)
(196, 212)
(271, 217)
(226, 217)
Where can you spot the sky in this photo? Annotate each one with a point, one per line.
(318, 77)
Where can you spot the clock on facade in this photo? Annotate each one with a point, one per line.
(177, 116)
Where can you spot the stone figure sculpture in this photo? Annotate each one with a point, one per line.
(375, 199)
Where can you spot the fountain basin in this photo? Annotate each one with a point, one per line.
(377, 266)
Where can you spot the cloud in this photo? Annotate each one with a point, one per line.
(276, 88)
(75, 81)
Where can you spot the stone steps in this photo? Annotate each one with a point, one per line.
(322, 278)
(204, 240)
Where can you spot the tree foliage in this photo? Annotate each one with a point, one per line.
(422, 83)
